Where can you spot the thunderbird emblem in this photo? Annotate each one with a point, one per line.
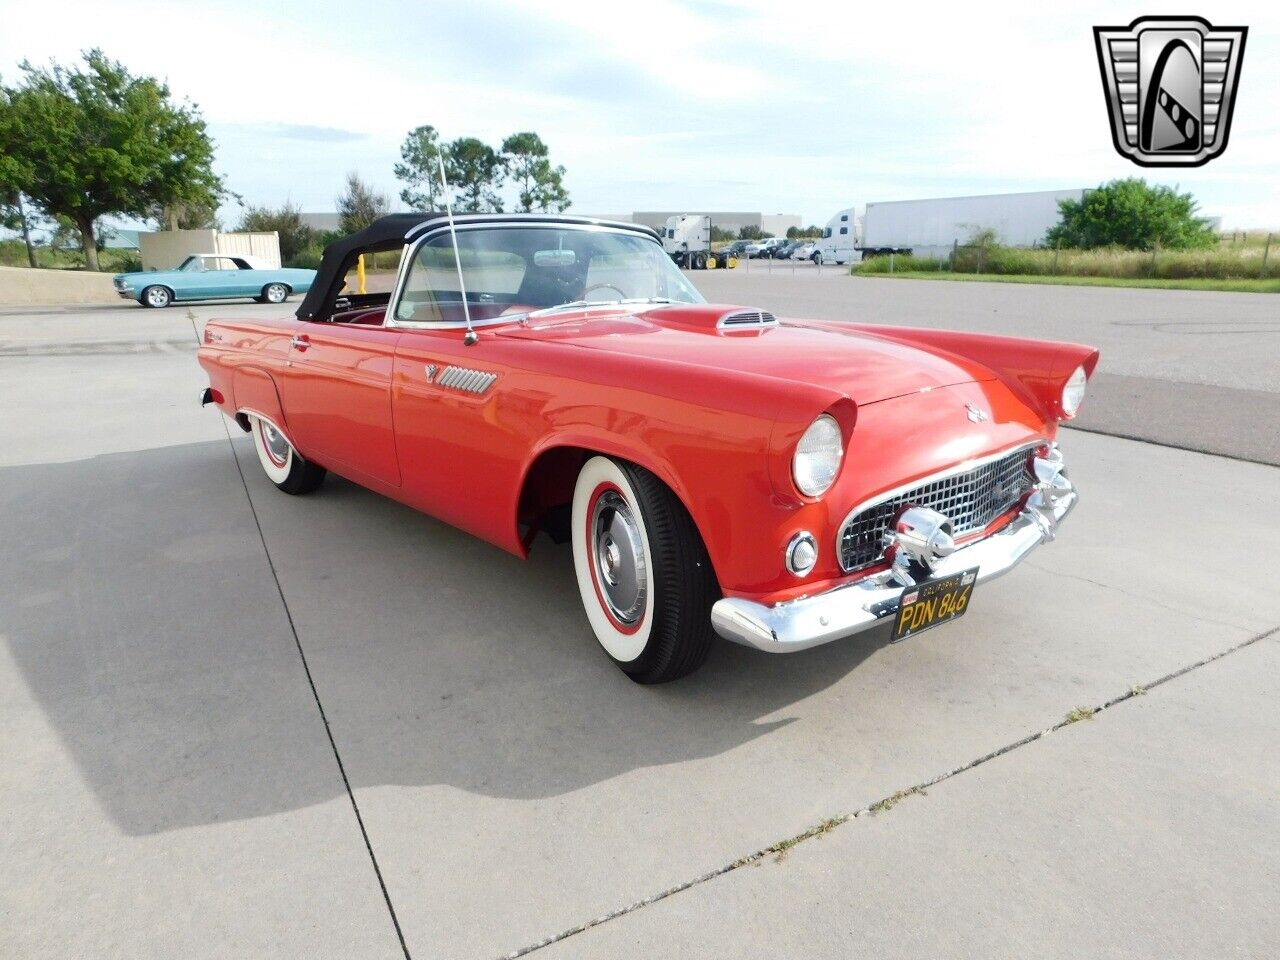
(974, 414)
(1170, 84)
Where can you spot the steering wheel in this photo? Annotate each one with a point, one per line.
(604, 286)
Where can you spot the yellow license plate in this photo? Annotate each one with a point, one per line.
(932, 603)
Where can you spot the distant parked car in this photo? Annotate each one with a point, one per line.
(763, 248)
(213, 276)
(738, 248)
(804, 251)
(785, 249)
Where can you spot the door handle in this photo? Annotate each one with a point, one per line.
(300, 342)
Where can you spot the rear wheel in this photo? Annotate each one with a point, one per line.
(274, 293)
(817, 259)
(157, 297)
(283, 465)
(699, 261)
(646, 581)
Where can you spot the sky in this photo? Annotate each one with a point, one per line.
(659, 105)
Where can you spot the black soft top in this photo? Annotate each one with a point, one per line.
(395, 230)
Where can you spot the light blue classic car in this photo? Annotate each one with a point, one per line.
(213, 276)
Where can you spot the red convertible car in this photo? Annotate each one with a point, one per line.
(717, 469)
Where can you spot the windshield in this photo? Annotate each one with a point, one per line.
(510, 271)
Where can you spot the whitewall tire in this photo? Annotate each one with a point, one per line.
(283, 465)
(643, 573)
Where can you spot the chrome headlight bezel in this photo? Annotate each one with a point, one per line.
(1073, 393)
(818, 456)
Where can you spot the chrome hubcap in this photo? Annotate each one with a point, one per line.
(618, 556)
(275, 293)
(276, 443)
(158, 297)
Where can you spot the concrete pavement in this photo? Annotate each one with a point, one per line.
(171, 789)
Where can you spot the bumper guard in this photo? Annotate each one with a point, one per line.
(853, 607)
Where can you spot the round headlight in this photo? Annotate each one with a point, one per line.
(1073, 392)
(818, 456)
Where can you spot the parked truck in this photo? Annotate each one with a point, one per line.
(930, 228)
(687, 240)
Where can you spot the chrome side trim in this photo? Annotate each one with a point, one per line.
(864, 604)
(964, 467)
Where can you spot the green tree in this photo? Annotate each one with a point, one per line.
(14, 216)
(540, 185)
(295, 236)
(752, 232)
(86, 142)
(418, 169)
(360, 205)
(1131, 213)
(475, 173)
(720, 234)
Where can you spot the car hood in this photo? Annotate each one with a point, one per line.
(862, 366)
(151, 275)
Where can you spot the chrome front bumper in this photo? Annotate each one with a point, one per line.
(851, 608)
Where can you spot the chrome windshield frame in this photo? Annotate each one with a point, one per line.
(411, 253)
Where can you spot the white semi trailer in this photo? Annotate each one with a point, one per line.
(687, 240)
(930, 228)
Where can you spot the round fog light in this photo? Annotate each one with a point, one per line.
(802, 553)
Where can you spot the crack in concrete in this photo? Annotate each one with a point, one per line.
(884, 804)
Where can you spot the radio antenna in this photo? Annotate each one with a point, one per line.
(470, 337)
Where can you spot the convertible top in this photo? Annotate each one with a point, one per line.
(395, 230)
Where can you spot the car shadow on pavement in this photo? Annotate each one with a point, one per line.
(140, 610)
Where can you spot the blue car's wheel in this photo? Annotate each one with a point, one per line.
(274, 293)
(156, 296)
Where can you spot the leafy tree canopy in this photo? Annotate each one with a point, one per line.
(86, 141)
(1131, 213)
(540, 185)
(475, 172)
(295, 236)
(418, 169)
(359, 205)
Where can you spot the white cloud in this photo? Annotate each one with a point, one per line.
(759, 105)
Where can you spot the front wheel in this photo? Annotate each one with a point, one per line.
(157, 297)
(646, 581)
(817, 259)
(283, 465)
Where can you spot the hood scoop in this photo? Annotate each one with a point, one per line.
(747, 320)
(713, 318)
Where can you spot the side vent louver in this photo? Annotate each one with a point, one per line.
(747, 320)
(468, 381)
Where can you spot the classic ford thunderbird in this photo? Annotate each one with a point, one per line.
(717, 469)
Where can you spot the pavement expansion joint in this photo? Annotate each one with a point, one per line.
(779, 849)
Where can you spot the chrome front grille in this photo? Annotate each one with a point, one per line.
(971, 499)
